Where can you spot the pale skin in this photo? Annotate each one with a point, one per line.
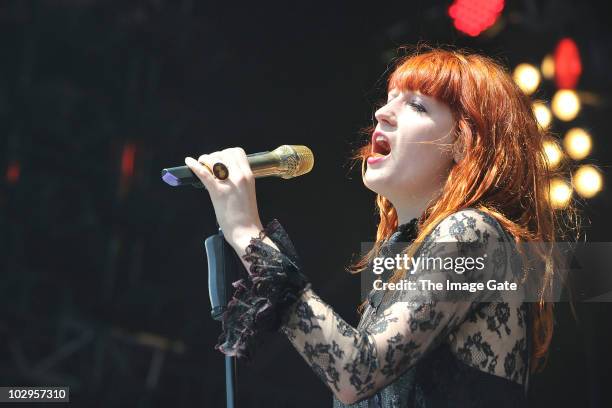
(419, 131)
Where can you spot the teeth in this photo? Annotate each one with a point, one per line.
(382, 144)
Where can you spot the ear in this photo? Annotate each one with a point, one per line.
(458, 150)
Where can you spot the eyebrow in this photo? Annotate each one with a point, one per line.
(393, 94)
(408, 93)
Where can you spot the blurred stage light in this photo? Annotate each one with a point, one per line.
(12, 172)
(548, 67)
(577, 143)
(127, 160)
(560, 193)
(566, 104)
(527, 77)
(542, 114)
(587, 181)
(553, 152)
(568, 66)
(474, 16)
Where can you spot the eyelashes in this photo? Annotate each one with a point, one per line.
(418, 107)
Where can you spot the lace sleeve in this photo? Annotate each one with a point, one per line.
(355, 364)
(261, 299)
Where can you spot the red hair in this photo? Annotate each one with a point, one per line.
(504, 171)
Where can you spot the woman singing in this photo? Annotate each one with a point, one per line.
(456, 159)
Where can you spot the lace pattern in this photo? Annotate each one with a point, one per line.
(411, 347)
(273, 283)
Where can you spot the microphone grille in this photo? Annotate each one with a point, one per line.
(300, 161)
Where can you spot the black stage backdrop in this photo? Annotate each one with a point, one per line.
(103, 271)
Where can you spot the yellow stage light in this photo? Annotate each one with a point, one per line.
(587, 181)
(542, 114)
(566, 104)
(527, 77)
(577, 143)
(548, 67)
(560, 193)
(553, 153)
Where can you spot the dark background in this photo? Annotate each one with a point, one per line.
(103, 283)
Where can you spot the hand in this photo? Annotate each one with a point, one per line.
(234, 198)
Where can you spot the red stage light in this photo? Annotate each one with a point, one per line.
(127, 160)
(568, 66)
(12, 173)
(474, 16)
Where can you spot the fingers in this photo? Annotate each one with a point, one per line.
(243, 163)
(235, 159)
(201, 172)
(208, 159)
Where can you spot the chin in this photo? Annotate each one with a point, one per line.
(378, 183)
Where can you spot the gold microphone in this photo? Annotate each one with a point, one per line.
(286, 161)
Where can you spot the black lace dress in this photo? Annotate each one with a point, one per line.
(413, 347)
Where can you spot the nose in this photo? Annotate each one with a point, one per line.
(385, 115)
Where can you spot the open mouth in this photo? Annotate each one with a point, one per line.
(380, 145)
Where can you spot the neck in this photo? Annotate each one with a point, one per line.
(407, 211)
(411, 207)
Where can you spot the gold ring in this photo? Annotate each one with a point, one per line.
(207, 168)
(220, 171)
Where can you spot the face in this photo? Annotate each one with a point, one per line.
(411, 147)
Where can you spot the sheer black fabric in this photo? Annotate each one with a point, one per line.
(417, 348)
(273, 283)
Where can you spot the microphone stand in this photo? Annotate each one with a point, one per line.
(222, 271)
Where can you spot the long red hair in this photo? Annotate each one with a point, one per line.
(504, 171)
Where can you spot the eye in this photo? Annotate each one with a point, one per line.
(417, 106)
